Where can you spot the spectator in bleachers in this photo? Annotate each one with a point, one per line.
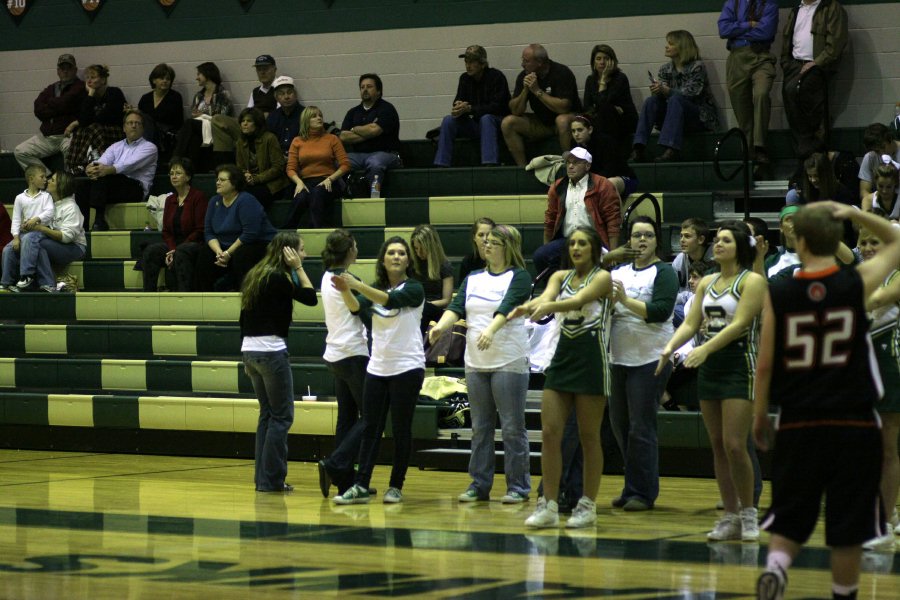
(844, 166)
(432, 269)
(267, 301)
(31, 207)
(56, 107)
(750, 27)
(644, 297)
(316, 164)
(346, 356)
(226, 130)
(236, 231)
(56, 244)
(5, 233)
(163, 110)
(607, 160)
(813, 42)
(259, 156)
(760, 230)
(680, 100)
(396, 368)
(496, 365)
(184, 214)
(99, 123)
(475, 259)
(284, 120)
(581, 198)
(887, 192)
(695, 246)
(551, 91)
(785, 255)
(879, 142)
(819, 183)
(372, 129)
(123, 174)
(210, 100)
(608, 102)
(482, 100)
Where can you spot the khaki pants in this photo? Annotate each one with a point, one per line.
(749, 76)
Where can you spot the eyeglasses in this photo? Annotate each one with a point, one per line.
(647, 235)
(493, 243)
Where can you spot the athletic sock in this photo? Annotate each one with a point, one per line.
(843, 592)
(778, 560)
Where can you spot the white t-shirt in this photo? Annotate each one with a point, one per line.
(484, 293)
(576, 211)
(803, 38)
(346, 332)
(634, 341)
(396, 338)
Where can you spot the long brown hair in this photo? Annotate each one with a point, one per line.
(381, 277)
(271, 264)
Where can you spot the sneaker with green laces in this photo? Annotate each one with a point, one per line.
(513, 498)
(470, 495)
(354, 495)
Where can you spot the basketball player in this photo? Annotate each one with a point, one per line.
(816, 362)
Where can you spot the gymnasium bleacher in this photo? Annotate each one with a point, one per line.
(112, 368)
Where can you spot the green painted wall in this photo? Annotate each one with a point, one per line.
(63, 23)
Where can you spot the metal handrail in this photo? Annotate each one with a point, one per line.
(641, 198)
(744, 165)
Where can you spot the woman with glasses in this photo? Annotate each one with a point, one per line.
(183, 217)
(496, 364)
(644, 293)
(727, 306)
(236, 231)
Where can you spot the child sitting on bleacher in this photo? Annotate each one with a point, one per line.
(32, 207)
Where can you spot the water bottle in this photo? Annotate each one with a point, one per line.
(375, 190)
(147, 226)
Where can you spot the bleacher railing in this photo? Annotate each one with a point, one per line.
(744, 164)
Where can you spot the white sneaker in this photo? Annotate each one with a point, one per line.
(546, 514)
(882, 543)
(25, 282)
(584, 514)
(749, 525)
(726, 528)
(392, 496)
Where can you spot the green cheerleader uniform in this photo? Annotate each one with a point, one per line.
(886, 340)
(580, 364)
(727, 373)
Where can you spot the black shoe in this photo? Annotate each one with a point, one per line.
(669, 155)
(324, 479)
(619, 502)
(637, 154)
(100, 226)
(286, 488)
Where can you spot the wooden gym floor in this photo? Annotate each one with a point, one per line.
(97, 526)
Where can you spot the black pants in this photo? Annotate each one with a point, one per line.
(397, 393)
(317, 200)
(179, 278)
(111, 189)
(805, 105)
(211, 277)
(349, 379)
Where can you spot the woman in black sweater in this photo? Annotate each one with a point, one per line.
(607, 99)
(267, 296)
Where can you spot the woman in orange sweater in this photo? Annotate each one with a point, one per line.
(316, 164)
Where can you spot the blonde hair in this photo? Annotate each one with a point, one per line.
(427, 237)
(686, 45)
(512, 244)
(305, 117)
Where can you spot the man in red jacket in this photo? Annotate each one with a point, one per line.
(580, 198)
(56, 107)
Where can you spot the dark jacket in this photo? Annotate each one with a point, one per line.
(270, 161)
(829, 31)
(193, 216)
(489, 96)
(55, 113)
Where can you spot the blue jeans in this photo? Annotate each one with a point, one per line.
(375, 163)
(632, 414)
(485, 129)
(549, 255)
(500, 392)
(399, 394)
(349, 377)
(273, 382)
(672, 116)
